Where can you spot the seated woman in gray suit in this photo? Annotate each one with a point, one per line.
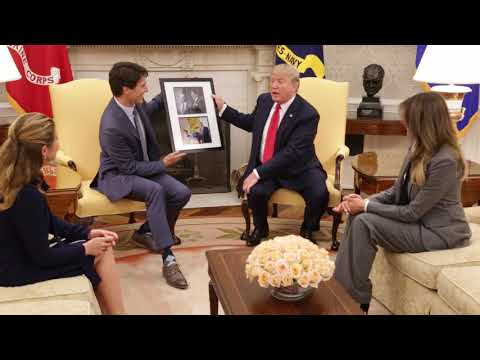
(420, 212)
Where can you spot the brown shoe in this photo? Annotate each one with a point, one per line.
(145, 241)
(174, 276)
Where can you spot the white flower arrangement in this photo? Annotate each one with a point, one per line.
(288, 260)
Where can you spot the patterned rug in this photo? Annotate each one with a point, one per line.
(144, 288)
(213, 232)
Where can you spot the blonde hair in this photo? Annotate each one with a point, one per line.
(288, 70)
(21, 154)
(430, 127)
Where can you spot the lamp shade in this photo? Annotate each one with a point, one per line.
(450, 64)
(8, 69)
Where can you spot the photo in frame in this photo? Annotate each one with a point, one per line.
(191, 114)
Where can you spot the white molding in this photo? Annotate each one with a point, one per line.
(159, 46)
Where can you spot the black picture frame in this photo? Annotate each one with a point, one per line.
(192, 116)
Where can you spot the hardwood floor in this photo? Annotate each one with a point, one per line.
(288, 212)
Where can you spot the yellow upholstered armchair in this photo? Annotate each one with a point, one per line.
(330, 98)
(77, 108)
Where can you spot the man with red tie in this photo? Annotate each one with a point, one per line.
(284, 126)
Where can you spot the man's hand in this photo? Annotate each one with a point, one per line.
(173, 158)
(249, 182)
(218, 101)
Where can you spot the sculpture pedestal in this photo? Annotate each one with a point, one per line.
(370, 107)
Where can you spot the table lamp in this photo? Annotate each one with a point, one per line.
(8, 69)
(453, 65)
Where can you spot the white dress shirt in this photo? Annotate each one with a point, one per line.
(283, 109)
(127, 110)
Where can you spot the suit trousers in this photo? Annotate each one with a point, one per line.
(363, 233)
(310, 185)
(164, 197)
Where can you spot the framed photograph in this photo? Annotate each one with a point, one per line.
(192, 115)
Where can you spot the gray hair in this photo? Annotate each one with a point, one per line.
(288, 70)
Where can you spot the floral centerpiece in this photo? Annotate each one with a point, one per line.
(291, 265)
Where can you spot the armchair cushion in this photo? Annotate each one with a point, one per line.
(289, 197)
(94, 203)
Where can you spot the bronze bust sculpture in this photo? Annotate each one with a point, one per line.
(372, 83)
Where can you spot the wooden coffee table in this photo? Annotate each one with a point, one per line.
(375, 172)
(239, 296)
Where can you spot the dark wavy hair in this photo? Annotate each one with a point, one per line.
(125, 74)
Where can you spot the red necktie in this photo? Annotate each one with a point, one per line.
(271, 135)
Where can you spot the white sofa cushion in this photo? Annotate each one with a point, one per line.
(459, 287)
(425, 267)
(73, 295)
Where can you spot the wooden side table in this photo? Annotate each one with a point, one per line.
(375, 172)
(62, 197)
(375, 127)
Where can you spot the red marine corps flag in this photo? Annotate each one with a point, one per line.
(40, 66)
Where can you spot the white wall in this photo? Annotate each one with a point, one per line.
(241, 72)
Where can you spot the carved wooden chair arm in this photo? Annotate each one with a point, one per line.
(65, 160)
(341, 154)
(235, 177)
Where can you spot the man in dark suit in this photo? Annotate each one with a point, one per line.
(131, 167)
(203, 135)
(284, 126)
(197, 105)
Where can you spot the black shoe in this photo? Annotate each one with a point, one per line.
(307, 234)
(177, 240)
(365, 308)
(146, 241)
(257, 235)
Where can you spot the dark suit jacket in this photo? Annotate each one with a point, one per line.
(294, 151)
(122, 155)
(25, 255)
(206, 135)
(197, 107)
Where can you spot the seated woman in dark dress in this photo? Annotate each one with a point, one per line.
(26, 254)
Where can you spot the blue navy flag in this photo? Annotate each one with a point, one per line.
(308, 59)
(470, 101)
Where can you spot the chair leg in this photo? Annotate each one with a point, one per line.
(337, 219)
(246, 215)
(131, 218)
(275, 210)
